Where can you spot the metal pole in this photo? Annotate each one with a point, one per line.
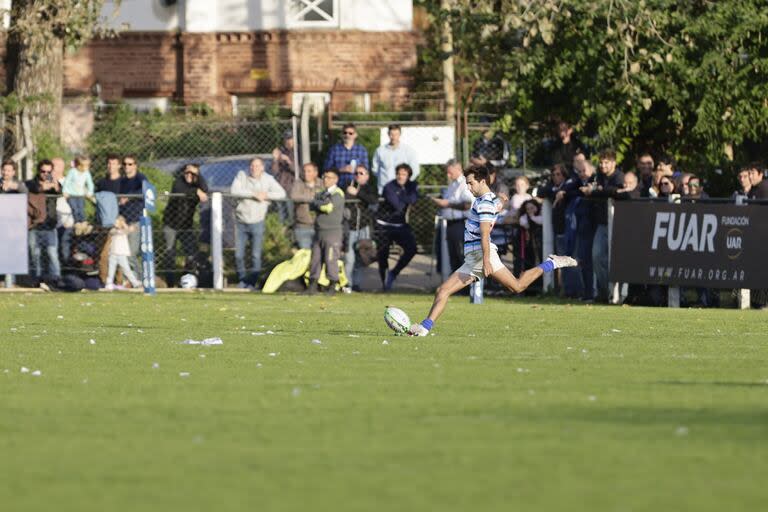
(445, 263)
(319, 134)
(476, 291)
(673, 292)
(217, 252)
(294, 131)
(147, 253)
(743, 296)
(547, 242)
(305, 141)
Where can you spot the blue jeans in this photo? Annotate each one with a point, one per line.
(402, 236)
(351, 267)
(571, 279)
(48, 239)
(303, 237)
(284, 211)
(65, 244)
(242, 233)
(77, 203)
(583, 254)
(600, 260)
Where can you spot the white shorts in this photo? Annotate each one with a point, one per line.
(473, 263)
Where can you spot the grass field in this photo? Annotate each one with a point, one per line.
(510, 406)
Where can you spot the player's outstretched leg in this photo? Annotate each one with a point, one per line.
(519, 284)
(453, 284)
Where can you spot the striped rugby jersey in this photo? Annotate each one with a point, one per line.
(484, 209)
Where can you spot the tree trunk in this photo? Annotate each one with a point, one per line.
(40, 74)
(446, 47)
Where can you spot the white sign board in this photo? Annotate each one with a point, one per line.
(13, 234)
(433, 144)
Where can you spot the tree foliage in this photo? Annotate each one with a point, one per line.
(689, 78)
(42, 30)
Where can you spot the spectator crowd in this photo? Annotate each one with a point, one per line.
(348, 213)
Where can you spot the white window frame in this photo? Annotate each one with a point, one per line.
(148, 103)
(312, 5)
(318, 100)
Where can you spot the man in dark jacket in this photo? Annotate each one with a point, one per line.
(326, 247)
(43, 190)
(391, 226)
(132, 208)
(609, 181)
(363, 197)
(575, 192)
(759, 188)
(111, 181)
(550, 191)
(179, 216)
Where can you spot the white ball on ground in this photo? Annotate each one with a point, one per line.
(188, 281)
(396, 319)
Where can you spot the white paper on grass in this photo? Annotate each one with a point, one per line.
(206, 341)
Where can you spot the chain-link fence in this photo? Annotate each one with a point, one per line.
(162, 145)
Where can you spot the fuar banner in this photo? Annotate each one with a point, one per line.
(695, 244)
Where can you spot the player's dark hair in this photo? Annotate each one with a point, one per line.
(394, 127)
(10, 162)
(406, 167)
(665, 159)
(332, 171)
(481, 172)
(41, 163)
(608, 154)
(758, 166)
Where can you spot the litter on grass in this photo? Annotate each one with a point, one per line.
(317, 342)
(183, 374)
(206, 341)
(37, 373)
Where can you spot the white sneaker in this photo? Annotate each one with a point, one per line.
(417, 330)
(562, 261)
(109, 287)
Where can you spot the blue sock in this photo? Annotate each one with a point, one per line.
(427, 323)
(547, 266)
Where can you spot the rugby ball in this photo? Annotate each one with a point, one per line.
(396, 319)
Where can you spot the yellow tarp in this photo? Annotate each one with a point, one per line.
(297, 267)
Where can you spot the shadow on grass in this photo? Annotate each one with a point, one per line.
(735, 384)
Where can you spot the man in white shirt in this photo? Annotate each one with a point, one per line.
(389, 156)
(254, 190)
(454, 204)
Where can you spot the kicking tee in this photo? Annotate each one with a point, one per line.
(484, 209)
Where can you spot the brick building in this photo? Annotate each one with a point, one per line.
(227, 53)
